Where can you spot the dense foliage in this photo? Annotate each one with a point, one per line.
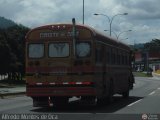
(5, 23)
(154, 45)
(12, 51)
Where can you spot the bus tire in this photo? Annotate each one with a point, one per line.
(111, 92)
(126, 93)
(90, 100)
(59, 101)
(40, 101)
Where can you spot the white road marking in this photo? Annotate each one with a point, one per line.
(158, 88)
(134, 102)
(152, 93)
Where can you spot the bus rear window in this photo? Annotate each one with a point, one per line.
(36, 50)
(83, 49)
(58, 50)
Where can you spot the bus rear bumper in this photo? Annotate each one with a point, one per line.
(61, 91)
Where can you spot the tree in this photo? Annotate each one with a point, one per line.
(16, 40)
(154, 45)
(12, 51)
(152, 50)
(5, 54)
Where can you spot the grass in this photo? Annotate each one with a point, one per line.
(12, 83)
(141, 74)
(158, 72)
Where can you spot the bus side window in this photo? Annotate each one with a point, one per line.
(118, 59)
(117, 62)
(127, 59)
(99, 55)
(107, 56)
(113, 57)
(123, 58)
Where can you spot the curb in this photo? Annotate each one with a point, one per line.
(11, 94)
(156, 75)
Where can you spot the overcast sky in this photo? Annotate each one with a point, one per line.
(143, 15)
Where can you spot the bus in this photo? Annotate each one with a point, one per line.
(73, 60)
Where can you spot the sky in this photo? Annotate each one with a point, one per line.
(143, 17)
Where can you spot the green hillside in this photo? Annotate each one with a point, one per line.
(5, 23)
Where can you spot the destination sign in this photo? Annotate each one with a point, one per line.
(57, 34)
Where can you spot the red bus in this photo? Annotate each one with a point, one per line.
(66, 60)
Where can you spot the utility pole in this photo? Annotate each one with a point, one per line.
(74, 35)
(83, 11)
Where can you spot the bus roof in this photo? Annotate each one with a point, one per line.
(99, 34)
(94, 32)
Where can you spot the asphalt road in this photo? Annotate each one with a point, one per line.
(144, 99)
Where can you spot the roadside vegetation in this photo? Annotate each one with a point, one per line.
(142, 74)
(158, 71)
(6, 83)
(12, 52)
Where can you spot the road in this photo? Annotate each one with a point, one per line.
(144, 98)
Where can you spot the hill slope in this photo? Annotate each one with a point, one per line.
(5, 23)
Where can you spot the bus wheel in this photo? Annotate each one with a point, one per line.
(125, 94)
(59, 101)
(40, 101)
(89, 100)
(111, 92)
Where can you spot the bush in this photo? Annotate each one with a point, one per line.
(158, 71)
